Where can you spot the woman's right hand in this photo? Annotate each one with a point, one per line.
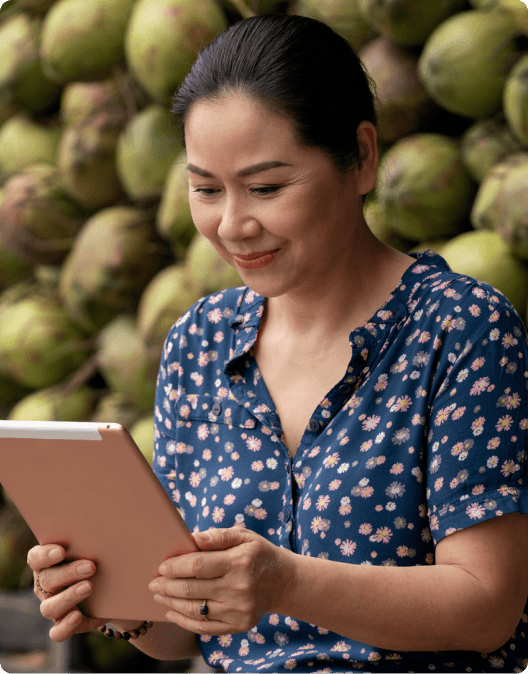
(65, 582)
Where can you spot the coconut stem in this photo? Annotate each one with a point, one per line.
(81, 376)
(125, 91)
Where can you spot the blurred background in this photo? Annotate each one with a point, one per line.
(99, 256)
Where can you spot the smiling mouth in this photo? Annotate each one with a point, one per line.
(254, 256)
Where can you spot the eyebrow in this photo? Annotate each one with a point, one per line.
(256, 168)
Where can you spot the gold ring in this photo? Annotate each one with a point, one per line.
(39, 587)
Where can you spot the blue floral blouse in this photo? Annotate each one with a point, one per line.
(425, 434)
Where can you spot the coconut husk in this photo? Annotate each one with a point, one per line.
(128, 367)
(515, 100)
(114, 257)
(38, 220)
(404, 101)
(166, 298)
(86, 158)
(54, 404)
(174, 221)
(207, 269)
(39, 346)
(114, 408)
(24, 142)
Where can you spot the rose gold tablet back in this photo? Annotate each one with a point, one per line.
(94, 493)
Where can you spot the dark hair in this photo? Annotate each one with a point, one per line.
(296, 67)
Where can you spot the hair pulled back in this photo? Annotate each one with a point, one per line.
(295, 67)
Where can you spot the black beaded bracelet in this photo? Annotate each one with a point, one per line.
(134, 634)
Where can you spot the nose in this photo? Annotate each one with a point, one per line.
(236, 221)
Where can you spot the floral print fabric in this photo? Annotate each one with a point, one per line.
(426, 434)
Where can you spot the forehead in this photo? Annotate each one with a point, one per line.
(236, 124)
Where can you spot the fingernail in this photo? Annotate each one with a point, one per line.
(154, 586)
(84, 569)
(73, 619)
(55, 554)
(84, 588)
(163, 569)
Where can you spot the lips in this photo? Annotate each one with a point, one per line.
(253, 256)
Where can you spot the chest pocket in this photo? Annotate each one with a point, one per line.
(193, 408)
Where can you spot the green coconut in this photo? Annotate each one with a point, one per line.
(114, 257)
(24, 142)
(343, 16)
(210, 271)
(21, 74)
(512, 213)
(515, 100)
(114, 408)
(518, 10)
(12, 266)
(146, 151)
(39, 346)
(81, 100)
(10, 390)
(379, 226)
(86, 157)
(403, 98)
(436, 246)
(465, 62)
(173, 219)
(486, 257)
(142, 433)
(485, 5)
(16, 540)
(35, 6)
(48, 275)
(83, 41)
(126, 364)
(486, 143)
(167, 297)
(424, 188)
(38, 220)
(163, 39)
(247, 8)
(485, 208)
(53, 404)
(407, 22)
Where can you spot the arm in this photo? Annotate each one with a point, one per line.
(163, 641)
(471, 599)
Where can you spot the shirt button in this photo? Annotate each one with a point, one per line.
(314, 425)
(287, 515)
(217, 408)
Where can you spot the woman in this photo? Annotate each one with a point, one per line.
(346, 433)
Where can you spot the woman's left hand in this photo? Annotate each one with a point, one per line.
(241, 574)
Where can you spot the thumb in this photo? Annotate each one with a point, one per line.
(219, 539)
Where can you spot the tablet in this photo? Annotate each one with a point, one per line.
(88, 487)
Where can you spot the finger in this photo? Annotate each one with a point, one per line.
(200, 626)
(39, 556)
(64, 629)
(55, 608)
(59, 577)
(191, 608)
(210, 564)
(221, 539)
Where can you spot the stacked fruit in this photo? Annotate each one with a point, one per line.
(98, 252)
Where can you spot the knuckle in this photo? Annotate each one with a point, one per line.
(187, 589)
(197, 564)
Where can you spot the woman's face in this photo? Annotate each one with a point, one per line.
(252, 188)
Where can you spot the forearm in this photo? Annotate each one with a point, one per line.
(420, 608)
(163, 641)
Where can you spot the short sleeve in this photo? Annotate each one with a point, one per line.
(477, 441)
(163, 463)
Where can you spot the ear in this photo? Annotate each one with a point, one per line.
(368, 146)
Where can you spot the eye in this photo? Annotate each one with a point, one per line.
(269, 189)
(207, 191)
